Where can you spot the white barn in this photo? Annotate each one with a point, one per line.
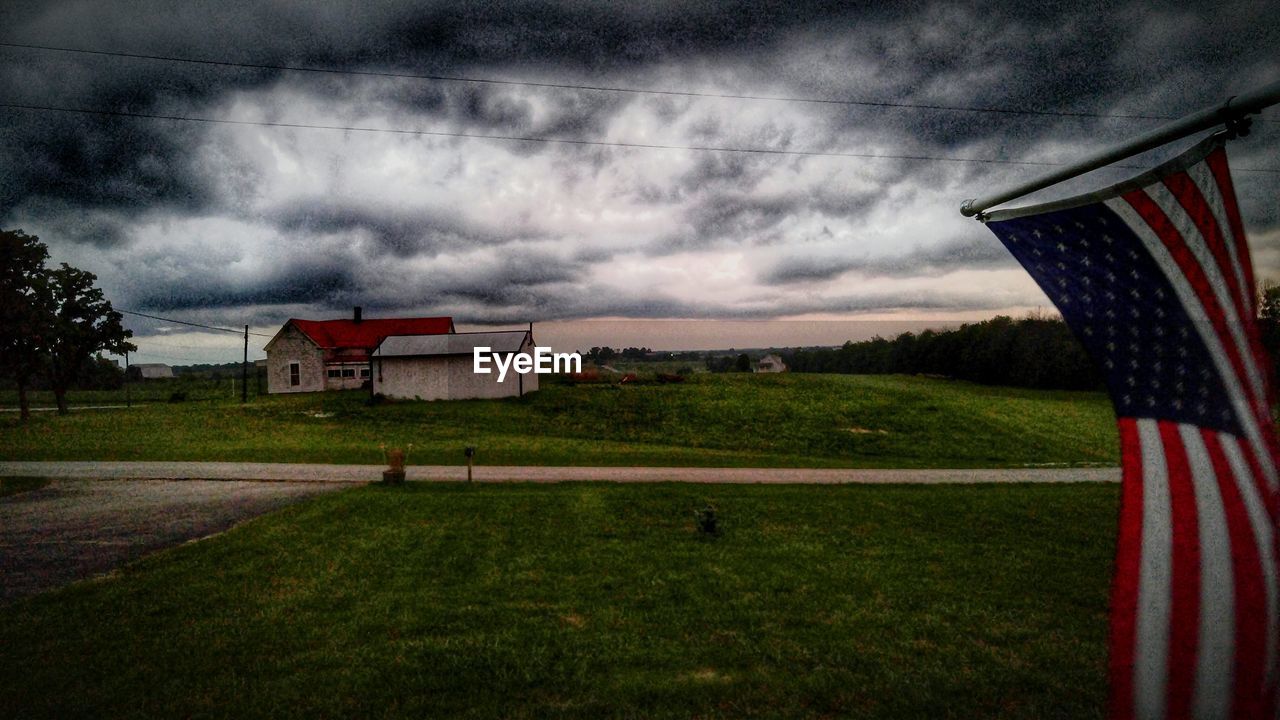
(771, 364)
(150, 371)
(441, 367)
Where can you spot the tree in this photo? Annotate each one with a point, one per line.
(1269, 325)
(26, 309)
(84, 323)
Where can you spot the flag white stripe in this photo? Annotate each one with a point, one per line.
(1216, 650)
(1203, 178)
(1200, 319)
(1151, 626)
(1199, 248)
(1263, 535)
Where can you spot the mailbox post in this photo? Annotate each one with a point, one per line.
(470, 453)
(394, 474)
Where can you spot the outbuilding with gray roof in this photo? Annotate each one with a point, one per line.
(442, 367)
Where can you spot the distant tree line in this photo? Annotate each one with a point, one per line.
(599, 355)
(211, 371)
(602, 355)
(53, 321)
(1034, 352)
(730, 363)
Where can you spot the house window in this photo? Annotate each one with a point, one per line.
(295, 374)
(335, 373)
(348, 372)
(364, 373)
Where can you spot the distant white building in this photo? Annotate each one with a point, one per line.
(771, 364)
(150, 371)
(441, 367)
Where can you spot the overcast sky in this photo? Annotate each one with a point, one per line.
(235, 224)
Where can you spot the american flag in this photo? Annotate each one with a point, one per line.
(1154, 278)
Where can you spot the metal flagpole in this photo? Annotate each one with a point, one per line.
(1229, 112)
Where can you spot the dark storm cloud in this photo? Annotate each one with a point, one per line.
(92, 181)
(978, 253)
(103, 227)
(735, 217)
(318, 283)
(739, 218)
(562, 304)
(334, 281)
(514, 279)
(396, 230)
(1133, 58)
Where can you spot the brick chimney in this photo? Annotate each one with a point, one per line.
(356, 316)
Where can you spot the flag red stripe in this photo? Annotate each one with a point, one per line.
(1249, 588)
(1193, 201)
(1217, 162)
(1184, 190)
(1164, 229)
(1160, 225)
(1124, 585)
(1270, 498)
(1184, 615)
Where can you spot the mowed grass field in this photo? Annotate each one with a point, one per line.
(788, 420)
(595, 601)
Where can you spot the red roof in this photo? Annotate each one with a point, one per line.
(366, 334)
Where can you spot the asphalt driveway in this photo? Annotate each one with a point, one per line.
(75, 529)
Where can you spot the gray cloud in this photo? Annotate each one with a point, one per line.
(292, 220)
(968, 254)
(744, 218)
(317, 283)
(396, 230)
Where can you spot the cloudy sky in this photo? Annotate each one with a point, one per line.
(248, 223)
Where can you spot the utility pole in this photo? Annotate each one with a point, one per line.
(244, 369)
(127, 403)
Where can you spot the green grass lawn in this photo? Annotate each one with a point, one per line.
(595, 601)
(783, 420)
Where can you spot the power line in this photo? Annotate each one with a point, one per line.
(172, 357)
(151, 341)
(563, 141)
(184, 322)
(517, 138)
(593, 88)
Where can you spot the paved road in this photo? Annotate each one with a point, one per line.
(500, 473)
(75, 529)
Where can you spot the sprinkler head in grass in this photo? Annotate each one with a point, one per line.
(707, 521)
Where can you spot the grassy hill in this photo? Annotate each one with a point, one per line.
(788, 420)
